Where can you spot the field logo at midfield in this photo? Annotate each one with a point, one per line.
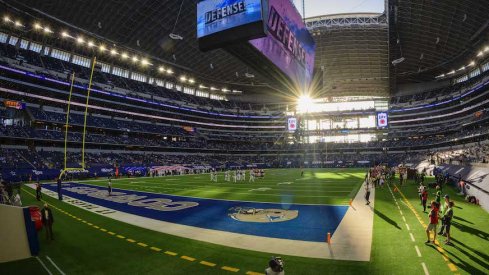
(159, 204)
(248, 214)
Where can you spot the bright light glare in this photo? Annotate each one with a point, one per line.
(304, 103)
(37, 26)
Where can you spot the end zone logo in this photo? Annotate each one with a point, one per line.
(247, 214)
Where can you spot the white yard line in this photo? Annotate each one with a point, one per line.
(417, 251)
(412, 237)
(425, 269)
(43, 265)
(57, 267)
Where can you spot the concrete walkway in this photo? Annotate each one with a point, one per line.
(351, 241)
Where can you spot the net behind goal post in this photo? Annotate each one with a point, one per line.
(67, 169)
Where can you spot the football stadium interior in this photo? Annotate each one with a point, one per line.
(244, 137)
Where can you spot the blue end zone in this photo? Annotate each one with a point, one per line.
(312, 224)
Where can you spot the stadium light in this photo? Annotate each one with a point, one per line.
(6, 19)
(37, 26)
(124, 55)
(191, 81)
(113, 52)
(472, 63)
(213, 88)
(102, 48)
(202, 86)
(169, 71)
(90, 44)
(80, 40)
(161, 69)
(47, 30)
(486, 49)
(18, 24)
(224, 90)
(145, 62)
(64, 34)
(183, 78)
(135, 59)
(481, 53)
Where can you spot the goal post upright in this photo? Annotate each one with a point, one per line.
(94, 60)
(83, 166)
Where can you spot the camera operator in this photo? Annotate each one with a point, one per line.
(275, 266)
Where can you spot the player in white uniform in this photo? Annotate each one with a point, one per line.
(235, 175)
(227, 176)
(252, 176)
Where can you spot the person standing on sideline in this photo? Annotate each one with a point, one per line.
(60, 195)
(47, 221)
(448, 221)
(38, 191)
(424, 199)
(433, 222)
(109, 187)
(367, 193)
(443, 213)
(438, 194)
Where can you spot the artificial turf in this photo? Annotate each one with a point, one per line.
(79, 248)
(317, 186)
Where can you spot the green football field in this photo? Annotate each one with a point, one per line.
(87, 243)
(316, 186)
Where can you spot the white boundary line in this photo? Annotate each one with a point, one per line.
(43, 265)
(412, 237)
(417, 251)
(52, 262)
(407, 226)
(425, 269)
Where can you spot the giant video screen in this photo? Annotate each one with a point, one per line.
(288, 44)
(220, 22)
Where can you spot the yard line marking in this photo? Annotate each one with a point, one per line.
(254, 273)
(43, 265)
(120, 237)
(228, 268)
(425, 269)
(417, 251)
(401, 212)
(404, 219)
(111, 233)
(142, 244)
(207, 263)
(452, 266)
(171, 253)
(407, 226)
(155, 249)
(131, 240)
(188, 258)
(412, 236)
(103, 229)
(57, 267)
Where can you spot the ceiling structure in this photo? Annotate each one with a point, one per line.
(352, 54)
(435, 37)
(354, 51)
(144, 26)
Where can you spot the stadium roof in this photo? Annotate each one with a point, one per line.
(354, 51)
(145, 26)
(435, 37)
